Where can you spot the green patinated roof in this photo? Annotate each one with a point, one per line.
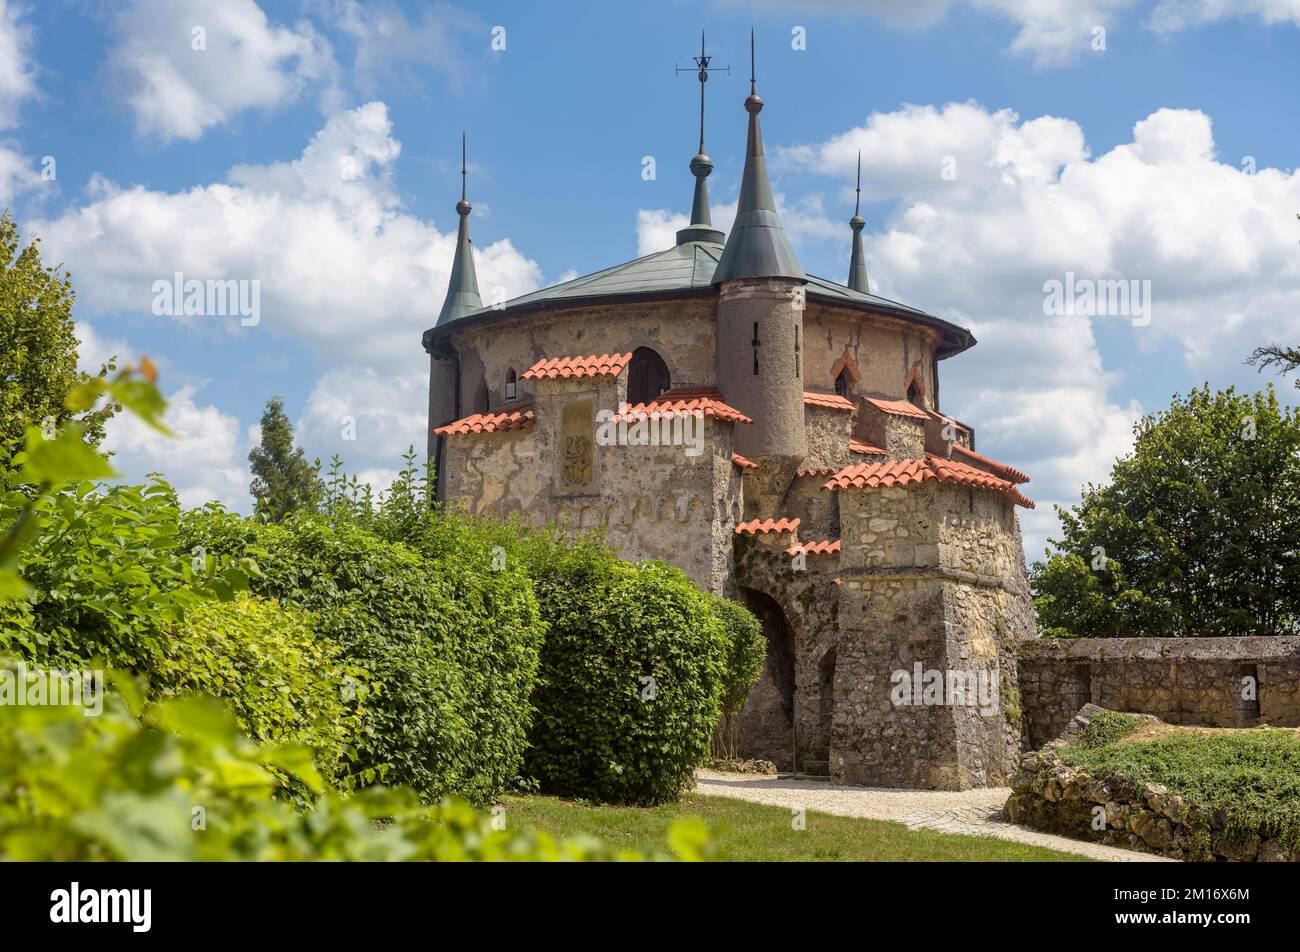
(688, 268)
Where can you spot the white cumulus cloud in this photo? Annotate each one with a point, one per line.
(342, 269)
(188, 65)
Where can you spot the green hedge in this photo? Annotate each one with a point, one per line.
(283, 683)
(631, 678)
(451, 649)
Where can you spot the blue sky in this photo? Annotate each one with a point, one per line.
(1128, 162)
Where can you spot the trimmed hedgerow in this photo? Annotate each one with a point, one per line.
(631, 678)
(451, 649)
(282, 682)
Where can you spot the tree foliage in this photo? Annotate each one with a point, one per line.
(1195, 534)
(283, 480)
(38, 345)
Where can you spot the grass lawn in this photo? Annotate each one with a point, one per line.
(755, 833)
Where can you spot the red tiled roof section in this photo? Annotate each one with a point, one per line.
(755, 526)
(832, 401)
(830, 547)
(954, 472)
(908, 471)
(898, 408)
(511, 417)
(894, 472)
(818, 471)
(597, 365)
(742, 462)
(999, 469)
(707, 400)
(865, 449)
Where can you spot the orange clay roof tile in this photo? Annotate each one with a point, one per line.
(832, 401)
(511, 417)
(908, 471)
(609, 365)
(866, 449)
(999, 469)
(743, 463)
(898, 408)
(755, 526)
(686, 400)
(830, 547)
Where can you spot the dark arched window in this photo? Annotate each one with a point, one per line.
(647, 376)
(842, 383)
(512, 384)
(915, 396)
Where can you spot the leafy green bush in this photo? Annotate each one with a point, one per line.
(451, 647)
(284, 684)
(180, 783)
(746, 652)
(631, 679)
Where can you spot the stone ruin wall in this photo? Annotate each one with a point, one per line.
(1195, 681)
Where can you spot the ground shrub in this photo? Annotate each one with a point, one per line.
(283, 683)
(451, 649)
(176, 781)
(631, 679)
(746, 652)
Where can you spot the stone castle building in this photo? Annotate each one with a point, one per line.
(779, 437)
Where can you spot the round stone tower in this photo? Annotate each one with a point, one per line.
(760, 327)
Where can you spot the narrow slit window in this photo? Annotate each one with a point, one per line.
(755, 342)
(512, 384)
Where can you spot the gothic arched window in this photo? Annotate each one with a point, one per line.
(512, 384)
(842, 383)
(647, 376)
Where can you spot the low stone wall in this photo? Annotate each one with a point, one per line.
(1050, 795)
(1208, 682)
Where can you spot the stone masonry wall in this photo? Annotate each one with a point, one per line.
(1179, 680)
(652, 501)
(932, 582)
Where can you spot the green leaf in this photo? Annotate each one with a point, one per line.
(143, 399)
(66, 458)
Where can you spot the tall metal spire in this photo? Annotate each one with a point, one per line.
(462, 290)
(701, 226)
(858, 264)
(757, 246)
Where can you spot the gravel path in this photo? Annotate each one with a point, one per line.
(971, 812)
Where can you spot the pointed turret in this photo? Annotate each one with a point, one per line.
(462, 290)
(757, 246)
(701, 226)
(857, 263)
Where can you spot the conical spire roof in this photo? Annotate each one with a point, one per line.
(701, 226)
(757, 246)
(462, 290)
(857, 263)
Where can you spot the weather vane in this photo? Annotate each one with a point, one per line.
(702, 70)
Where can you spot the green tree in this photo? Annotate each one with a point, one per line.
(38, 345)
(283, 480)
(1196, 533)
